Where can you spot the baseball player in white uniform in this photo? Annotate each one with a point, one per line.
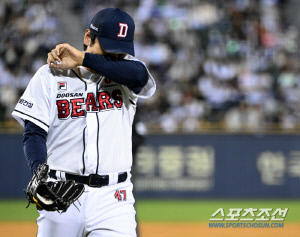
(84, 119)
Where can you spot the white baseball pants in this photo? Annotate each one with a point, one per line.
(105, 212)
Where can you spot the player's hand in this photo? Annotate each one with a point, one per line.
(64, 56)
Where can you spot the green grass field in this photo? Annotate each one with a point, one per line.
(165, 210)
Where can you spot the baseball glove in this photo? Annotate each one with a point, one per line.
(51, 196)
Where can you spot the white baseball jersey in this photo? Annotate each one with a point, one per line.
(88, 118)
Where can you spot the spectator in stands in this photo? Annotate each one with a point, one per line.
(216, 62)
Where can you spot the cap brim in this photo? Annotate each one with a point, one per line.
(116, 46)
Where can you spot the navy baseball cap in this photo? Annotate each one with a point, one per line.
(114, 29)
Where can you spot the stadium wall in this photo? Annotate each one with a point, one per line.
(179, 166)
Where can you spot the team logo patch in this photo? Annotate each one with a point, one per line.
(61, 85)
(107, 81)
(123, 30)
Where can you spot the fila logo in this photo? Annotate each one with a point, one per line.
(123, 30)
(61, 85)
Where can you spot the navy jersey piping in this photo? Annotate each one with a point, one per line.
(85, 85)
(83, 135)
(32, 117)
(96, 93)
(131, 102)
(98, 125)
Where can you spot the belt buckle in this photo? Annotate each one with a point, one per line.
(96, 181)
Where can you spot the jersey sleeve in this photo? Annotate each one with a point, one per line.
(34, 104)
(150, 87)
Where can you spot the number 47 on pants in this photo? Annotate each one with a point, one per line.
(120, 195)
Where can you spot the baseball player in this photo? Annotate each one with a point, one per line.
(79, 122)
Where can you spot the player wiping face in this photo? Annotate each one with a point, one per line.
(86, 120)
(108, 41)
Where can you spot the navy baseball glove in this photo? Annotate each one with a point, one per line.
(51, 196)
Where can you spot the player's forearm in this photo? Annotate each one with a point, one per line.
(34, 145)
(129, 73)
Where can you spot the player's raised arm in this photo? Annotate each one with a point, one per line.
(130, 73)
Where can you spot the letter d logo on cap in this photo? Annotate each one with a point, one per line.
(123, 30)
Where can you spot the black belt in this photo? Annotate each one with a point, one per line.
(93, 180)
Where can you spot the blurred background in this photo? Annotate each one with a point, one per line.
(224, 122)
(221, 65)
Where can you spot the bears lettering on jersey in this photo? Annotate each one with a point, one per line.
(116, 94)
(103, 98)
(63, 108)
(75, 107)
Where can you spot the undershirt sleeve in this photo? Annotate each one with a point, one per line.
(132, 74)
(34, 145)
